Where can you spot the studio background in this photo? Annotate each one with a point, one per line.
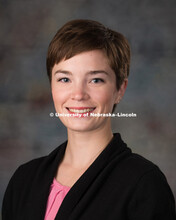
(26, 129)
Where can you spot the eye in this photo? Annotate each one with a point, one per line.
(97, 80)
(64, 80)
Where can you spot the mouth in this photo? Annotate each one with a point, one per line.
(81, 110)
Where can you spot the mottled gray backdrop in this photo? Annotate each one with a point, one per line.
(26, 28)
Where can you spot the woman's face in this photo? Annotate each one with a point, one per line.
(84, 84)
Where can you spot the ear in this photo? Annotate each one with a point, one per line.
(121, 91)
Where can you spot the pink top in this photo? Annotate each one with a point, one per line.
(56, 196)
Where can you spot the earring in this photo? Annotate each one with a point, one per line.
(118, 101)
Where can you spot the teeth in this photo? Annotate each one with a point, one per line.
(81, 110)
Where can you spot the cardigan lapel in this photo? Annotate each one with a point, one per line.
(83, 184)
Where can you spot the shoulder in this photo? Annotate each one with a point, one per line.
(128, 161)
(27, 168)
(138, 164)
(151, 192)
(149, 174)
(144, 171)
(32, 168)
(131, 167)
(135, 170)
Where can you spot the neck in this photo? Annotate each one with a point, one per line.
(84, 147)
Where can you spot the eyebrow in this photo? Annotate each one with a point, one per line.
(97, 72)
(92, 72)
(63, 71)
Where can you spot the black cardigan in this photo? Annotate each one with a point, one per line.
(119, 185)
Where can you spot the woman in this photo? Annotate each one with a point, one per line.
(93, 175)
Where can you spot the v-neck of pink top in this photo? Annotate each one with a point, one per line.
(56, 196)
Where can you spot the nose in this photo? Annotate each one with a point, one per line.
(79, 92)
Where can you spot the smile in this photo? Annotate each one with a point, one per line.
(80, 110)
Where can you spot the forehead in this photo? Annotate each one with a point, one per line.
(95, 59)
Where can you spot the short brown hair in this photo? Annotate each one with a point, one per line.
(85, 35)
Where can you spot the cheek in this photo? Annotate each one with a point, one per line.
(105, 97)
(54, 95)
(58, 97)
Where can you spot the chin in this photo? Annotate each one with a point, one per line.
(79, 129)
